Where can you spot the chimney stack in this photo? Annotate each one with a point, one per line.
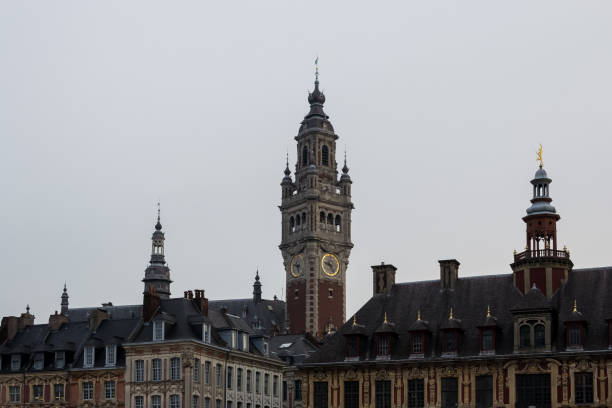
(449, 273)
(150, 303)
(383, 278)
(201, 301)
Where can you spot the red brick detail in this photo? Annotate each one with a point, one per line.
(558, 275)
(330, 306)
(519, 277)
(538, 276)
(296, 308)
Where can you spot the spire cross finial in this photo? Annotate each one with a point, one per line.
(540, 156)
(317, 69)
(488, 311)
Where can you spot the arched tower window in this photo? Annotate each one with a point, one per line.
(325, 155)
(338, 223)
(292, 224)
(297, 220)
(539, 335)
(525, 335)
(330, 219)
(304, 218)
(322, 217)
(304, 156)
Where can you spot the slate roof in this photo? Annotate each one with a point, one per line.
(264, 316)
(472, 295)
(292, 348)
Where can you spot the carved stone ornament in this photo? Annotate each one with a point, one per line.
(350, 375)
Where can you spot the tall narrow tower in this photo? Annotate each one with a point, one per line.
(157, 274)
(316, 226)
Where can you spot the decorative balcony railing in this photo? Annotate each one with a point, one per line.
(542, 253)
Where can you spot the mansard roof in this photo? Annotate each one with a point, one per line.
(470, 300)
(263, 316)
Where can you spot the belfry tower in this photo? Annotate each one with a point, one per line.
(542, 263)
(316, 226)
(157, 274)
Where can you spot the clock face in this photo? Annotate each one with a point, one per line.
(330, 264)
(296, 268)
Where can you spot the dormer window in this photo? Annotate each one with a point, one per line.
(450, 342)
(206, 333)
(352, 346)
(89, 357)
(487, 342)
(384, 348)
(539, 335)
(525, 336)
(245, 342)
(265, 347)
(158, 330)
(111, 356)
(575, 327)
(60, 359)
(417, 343)
(39, 361)
(15, 362)
(233, 339)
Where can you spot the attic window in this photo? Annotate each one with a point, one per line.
(488, 340)
(89, 357)
(15, 362)
(383, 346)
(39, 361)
(60, 359)
(285, 345)
(158, 330)
(245, 342)
(417, 343)
(270, 308)
(111, 356)
(574, 336)
(206, 333)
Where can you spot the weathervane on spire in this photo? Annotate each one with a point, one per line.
(317, 69)
(158, 210)
(540, 156)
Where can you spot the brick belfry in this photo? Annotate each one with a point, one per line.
(316, 227)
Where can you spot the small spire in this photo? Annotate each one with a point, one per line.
(386, 321)
(450, 317)
(488, 311)
(317, 70)
(28, 308)
(419, 315)
(355, 319)
(287, 171)
(158, 226)
(575, 306)
(345, 169)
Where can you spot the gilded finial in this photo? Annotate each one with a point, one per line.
(575, 306)
(540, 156)
(317, 69)
(514, 252)
(355, 320)
(385, 322)
(488, 311)
(450, 317)
(419, 314)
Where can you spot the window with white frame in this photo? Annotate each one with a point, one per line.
(87, 391)
(156, 401)
(138, 401)
(15, 362)
(58, 392)
(60, 359)
(14, 393)
(111, 355)
(158, 330)
(218, 382)
(109, 389)
(207, 372)
(37, 392)
(39, 361)
(175, 401)
(245, 342)
(139, 370)
(206, 333)
(196, 370)
(233, 339)
(89, 357)
(175, 368)
(156, 369)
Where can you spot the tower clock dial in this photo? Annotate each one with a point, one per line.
(297, 266)
(330, 264)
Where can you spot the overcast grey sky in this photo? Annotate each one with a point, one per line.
(106, 107)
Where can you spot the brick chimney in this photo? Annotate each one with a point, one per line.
(56, 320)
(150, 303)
(449, 273)
(96, 318)
(383, 278)
(201, 301)
(8, 328)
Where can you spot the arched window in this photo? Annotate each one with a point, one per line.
(292, 224)
(297, 220)
(525, 335)
(330, 219)
(338, 223)
(322, 217)
(303, 218)
(304, 156)
(325, 155)
(539, 335)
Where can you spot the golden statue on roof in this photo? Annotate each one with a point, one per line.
(540, 156)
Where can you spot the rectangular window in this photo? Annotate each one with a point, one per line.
(206, 333)
(383, 394)
(111, 356)
(196, 370)
(383, 345)
(245, 342)
(139, 370)
(450, 344)
(60, 359)
(275, 386)
(87, 391)
(487, 340)
(156, 401)
(15, 362)
(258, 382)
(248, 381)
(175, 368)
(195, 402)
(156, 369)
(230, 377)
(58, 392)
(297, 387)
(233, 339)
(484, 391)
(39, 361)
(175, 401)
(206, 402)
(266, 384)
(584, 388)
(320, 394)
(417, 343)
(37, 392)
(284, 390)
(574, 337)
(416, 393)
(228, 404)
(207, 372)
(525, 336)
(218, 403)
(109, 390)
(351, 394)
(352, 346)
(14, 393)
(218, 375)
(89, 357)
(158, 330)
(533, 390)
(139, 402)
(450, 390)
(239, 379)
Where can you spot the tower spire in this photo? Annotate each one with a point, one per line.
(257, 288)
(157, 274)
(64, 304)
